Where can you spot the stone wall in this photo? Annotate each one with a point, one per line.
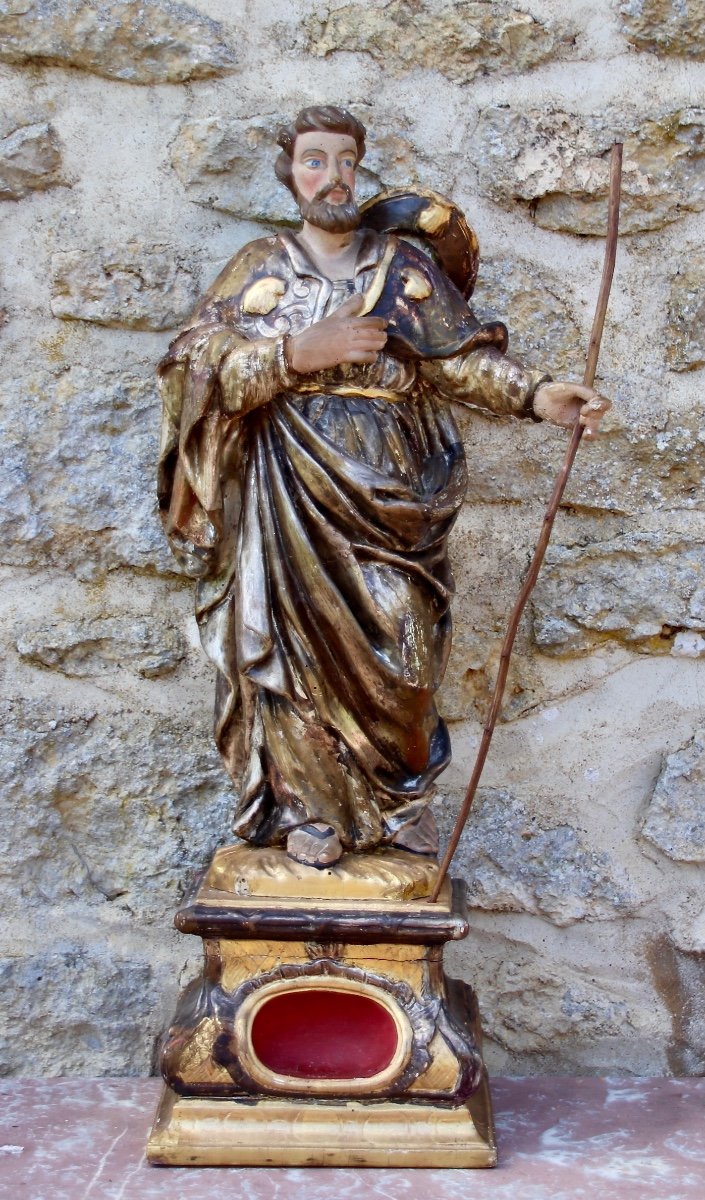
(135, 158)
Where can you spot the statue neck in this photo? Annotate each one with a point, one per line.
(334, 254)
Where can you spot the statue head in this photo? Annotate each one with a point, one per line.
(320, 153)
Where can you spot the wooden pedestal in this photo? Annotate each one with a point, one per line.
(323, 1030)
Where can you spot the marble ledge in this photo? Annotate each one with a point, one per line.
(559, 1139)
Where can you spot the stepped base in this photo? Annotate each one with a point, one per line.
(284, 1133)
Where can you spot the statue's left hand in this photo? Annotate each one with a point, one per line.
(564, 403)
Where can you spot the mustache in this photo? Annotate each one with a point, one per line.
(333, 187)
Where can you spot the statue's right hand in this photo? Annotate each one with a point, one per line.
(343, 337)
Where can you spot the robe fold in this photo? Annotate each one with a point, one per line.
(315, 512)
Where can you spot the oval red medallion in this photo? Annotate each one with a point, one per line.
(324, 1033)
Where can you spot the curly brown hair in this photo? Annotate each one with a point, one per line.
(327, 118)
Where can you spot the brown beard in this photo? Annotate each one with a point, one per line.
(333, 218)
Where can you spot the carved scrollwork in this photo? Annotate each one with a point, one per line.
(208, 1012)
(420, 1012)
(292, 311)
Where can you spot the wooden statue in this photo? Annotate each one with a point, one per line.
(311, 472)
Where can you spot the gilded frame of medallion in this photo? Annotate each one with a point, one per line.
(415, 1017)
(272, 1081)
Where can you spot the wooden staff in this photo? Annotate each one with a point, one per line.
(548, 520)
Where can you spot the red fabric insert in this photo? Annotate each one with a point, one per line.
(323, 1033)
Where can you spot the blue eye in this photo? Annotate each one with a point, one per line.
(314, 162)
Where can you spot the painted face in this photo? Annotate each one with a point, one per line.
(323, 172)
(320, 161)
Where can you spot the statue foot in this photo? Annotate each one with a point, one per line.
(315, 845)
(419, 836)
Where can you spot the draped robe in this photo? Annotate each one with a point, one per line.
(314, 512)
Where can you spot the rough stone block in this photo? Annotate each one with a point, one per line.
(460, 39)
(137, 286)
(77, 1011)
(685, 331)
(102, 808)
(393, 159)
(666, 26)
(688, 645)
(514, 864)
(640, 587)
(103, 645)
(546, 1012)
(80, 446)
(143, 41)
(470, 677)
(688, 929)
(648, 458)
(675, 817)
(532, 1009)
(227, 164)
(541, 326)
(555, 165)
(30, 160)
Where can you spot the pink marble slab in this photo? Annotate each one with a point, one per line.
(559, 1139)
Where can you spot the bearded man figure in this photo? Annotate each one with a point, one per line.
(311, 472)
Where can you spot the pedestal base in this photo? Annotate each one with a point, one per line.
(284, 1133)
(323, 1029)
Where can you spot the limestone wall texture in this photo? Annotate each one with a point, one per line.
(135, 158)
